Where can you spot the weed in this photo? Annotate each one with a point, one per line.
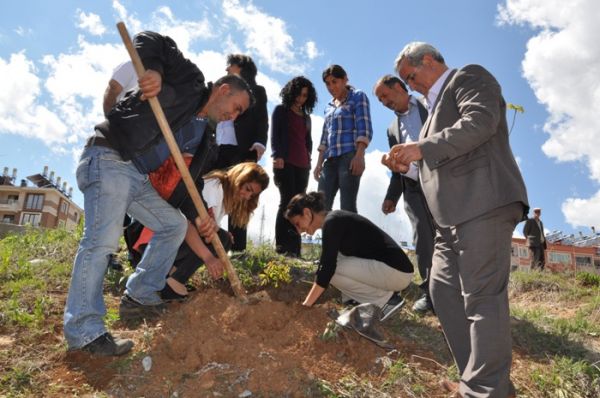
(588, 280)
(567, 378)
(275, 273)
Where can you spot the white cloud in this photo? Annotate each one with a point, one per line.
(133, 24)
(20, 109)
(183, 32)
(562, 65)
(311, 50)
(76, 83)
(91, 22)
(21, 31)
(266, 36)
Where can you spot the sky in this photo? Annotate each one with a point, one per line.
(56, 59)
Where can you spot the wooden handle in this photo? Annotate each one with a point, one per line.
(181, 166)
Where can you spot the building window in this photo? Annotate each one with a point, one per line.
(31, 218)
(523, 252)
(559, 258)
(61, 224)
(13, 199)
(583, 261)
(34, 201)
(64, 207)
(8, 219)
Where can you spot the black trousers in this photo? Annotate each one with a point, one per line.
(230, 155)
(291, 180)
(187, 262)
(538, 258)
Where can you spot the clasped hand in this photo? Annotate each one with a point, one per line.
(400, 156)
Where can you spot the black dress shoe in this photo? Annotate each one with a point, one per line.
(107, 346)
(130, 309)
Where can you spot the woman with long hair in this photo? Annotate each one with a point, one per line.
(233, 192)
(357, 257)
(291, 146)
(347, 132)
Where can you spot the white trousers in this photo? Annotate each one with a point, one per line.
(368, 281)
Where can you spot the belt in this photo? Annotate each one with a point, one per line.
(96, 140)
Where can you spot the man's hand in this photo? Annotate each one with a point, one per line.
(357, 164)
(388, 206)
(207, 228)
(214, 266)
(150, 84)
(259, 150)
(278, 163)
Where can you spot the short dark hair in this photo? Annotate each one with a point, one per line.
(247, 66)
(293, 88)
(334, 70)
(237, 83)
(389, 81)
(314, 201)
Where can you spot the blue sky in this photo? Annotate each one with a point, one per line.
(56, 58)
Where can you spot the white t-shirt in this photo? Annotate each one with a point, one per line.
(125, 75)
(213, 195)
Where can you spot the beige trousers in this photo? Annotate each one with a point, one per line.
(368, 281)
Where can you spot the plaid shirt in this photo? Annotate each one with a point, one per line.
(346, 125)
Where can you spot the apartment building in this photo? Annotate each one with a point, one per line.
(40, 201)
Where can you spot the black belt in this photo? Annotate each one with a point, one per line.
(96, 140)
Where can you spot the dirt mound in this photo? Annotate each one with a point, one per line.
(215, 345)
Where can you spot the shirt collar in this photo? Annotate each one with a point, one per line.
(434, 91)
(412, 101)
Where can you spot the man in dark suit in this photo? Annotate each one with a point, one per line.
(476, 196)
(245, 139)
(534, 233)
(410, 116)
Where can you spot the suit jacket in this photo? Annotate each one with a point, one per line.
(397, 184)
(252, 126)
(533, 233)
(468, 168)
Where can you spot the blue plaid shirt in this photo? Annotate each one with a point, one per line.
(346, 125)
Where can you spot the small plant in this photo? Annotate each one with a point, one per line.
(588, 279)
(275, 273)
(331, 331)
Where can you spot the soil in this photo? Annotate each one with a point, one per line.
(213, 345)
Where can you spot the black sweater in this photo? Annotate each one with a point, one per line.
(354, 235)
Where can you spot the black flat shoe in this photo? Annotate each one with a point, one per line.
(168, 295)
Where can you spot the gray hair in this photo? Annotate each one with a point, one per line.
(414, 53)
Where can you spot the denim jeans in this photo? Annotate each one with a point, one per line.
(111, 188)
(335, 176)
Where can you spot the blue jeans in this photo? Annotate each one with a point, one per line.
(112, 187)
(335, 176)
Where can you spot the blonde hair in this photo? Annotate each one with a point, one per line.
(232, 180)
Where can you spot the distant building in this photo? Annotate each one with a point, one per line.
(46, 203)
(564, 253)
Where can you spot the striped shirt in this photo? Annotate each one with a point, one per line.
(346, 125)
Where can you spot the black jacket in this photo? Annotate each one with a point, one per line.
(131, 127)
(396, 187)
(280, 134)
(252, 126)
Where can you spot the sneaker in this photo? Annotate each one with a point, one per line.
(131, 309)
(351, 303)
(394, 304)
(423, 305)
(108, 346)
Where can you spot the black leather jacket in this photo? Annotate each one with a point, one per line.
(131, 127)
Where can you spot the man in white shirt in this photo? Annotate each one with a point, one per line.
(124, 79)
(410, 115)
